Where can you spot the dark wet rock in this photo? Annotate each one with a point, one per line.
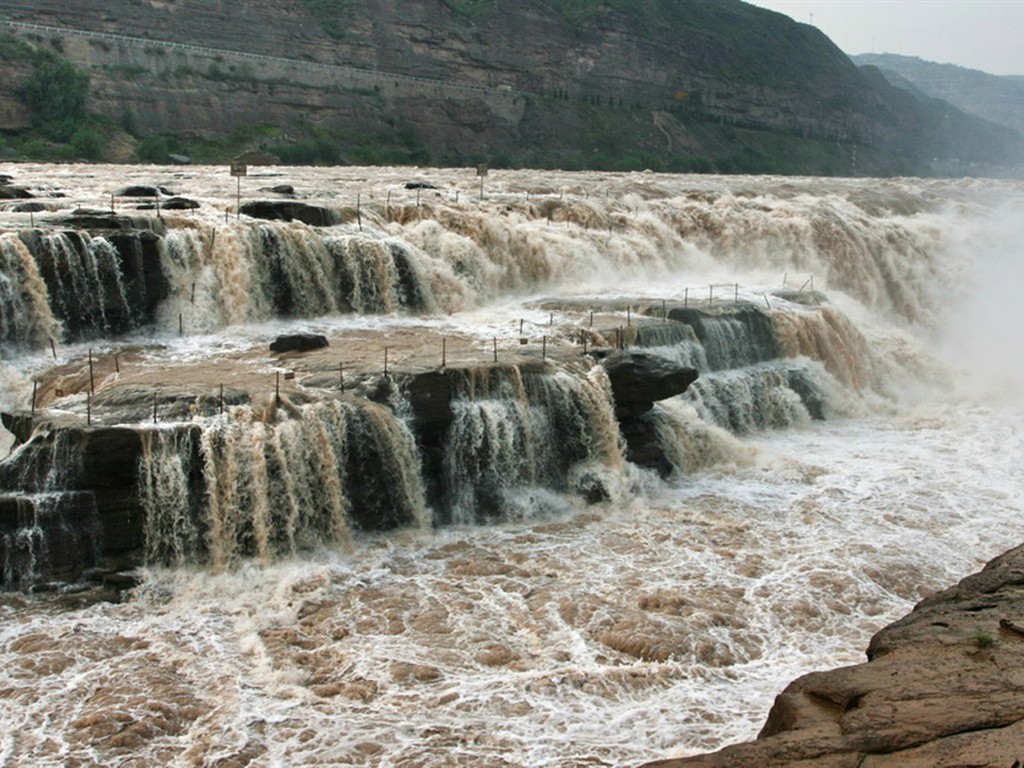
(420, 185)
(142, 190)
(97, 219)
(8, 192)
(287, 210)
(281, 189)
(19, 424)
(298, 342)
(593, 488)
(643, 444)
(639, 380)
(29, 208)
(172, 204)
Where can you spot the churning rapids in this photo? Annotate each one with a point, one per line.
(816, 490)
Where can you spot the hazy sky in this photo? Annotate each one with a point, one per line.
(979, 34)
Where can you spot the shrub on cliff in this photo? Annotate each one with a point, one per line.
(56, 94)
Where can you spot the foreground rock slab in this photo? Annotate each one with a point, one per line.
(943, 688)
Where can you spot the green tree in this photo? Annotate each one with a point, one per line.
(57, 93)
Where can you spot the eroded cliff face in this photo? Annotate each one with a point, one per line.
(490, 82)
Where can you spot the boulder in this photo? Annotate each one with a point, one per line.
(287, 210)
(639, 380)
(298, 342)
(143, 190)
(177, 204)
(34, 207)
(14, 193)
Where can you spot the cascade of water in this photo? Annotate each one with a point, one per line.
(170, 494)
(52, 523)
(234, 486)
(85, 282)
(765, 396)
(732, 338)
(828, 336)
(516, 431)
(25, 315)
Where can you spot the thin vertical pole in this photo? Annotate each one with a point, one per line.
(520, 326)
(629, 316)
(591, 318)
(222, 398)
(238, 198)
(154, 407)
(494, 341)
(53, 348)
(341, 376)
(664, 310)
(277, 387)
(181, 324)
(117, 363)
(193, 298)
(92, 380)
(385, 361)
(736, 295)
(544, 348)
(88, 409)
(686, 298)
(359, 215)
(444, 351)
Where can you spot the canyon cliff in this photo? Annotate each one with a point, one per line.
(693, 85)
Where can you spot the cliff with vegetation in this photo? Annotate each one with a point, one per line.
(706, 85)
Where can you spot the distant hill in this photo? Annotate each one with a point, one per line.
(676, 85)
(999, 99)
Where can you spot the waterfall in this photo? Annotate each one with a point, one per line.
(52, 529)
(25, 315)
(234, 486)
(85, 282)
(731, 338)
(760, 397)
(518, 431)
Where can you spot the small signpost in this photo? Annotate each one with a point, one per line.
(481, 171)
(238, 170)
